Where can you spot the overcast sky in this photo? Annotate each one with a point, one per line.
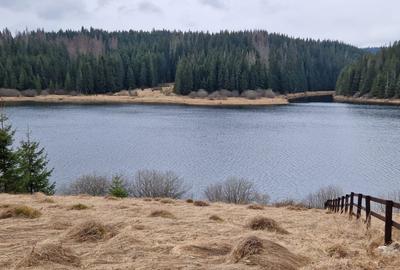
(359, 22)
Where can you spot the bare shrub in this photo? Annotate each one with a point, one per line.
(91, 231)
(152, 184)
(264, 223)
(235, 190)
(193, 94)
(161, 213)
(317, 199)
(4, 92)
(235, 93)
(60, 92)
(225, 93)
(250, 94)
(201, 93)
(291, 204)
(201, 203)
(29, 93)
(90, 184)
(269, 93)
(216, 96)
(189, 200)
(46, 252)
(44, 93)
(20, 211)
(167, 201)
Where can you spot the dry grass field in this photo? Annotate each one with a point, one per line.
(83, 232)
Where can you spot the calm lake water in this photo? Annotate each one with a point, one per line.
(288, 151)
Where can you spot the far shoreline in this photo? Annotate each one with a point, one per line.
(366, 101)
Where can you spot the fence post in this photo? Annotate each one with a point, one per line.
(342, 205)
(351, 204)
(359, 204)
(347, 203)
(388, 222)
(368, 210)
(337, 205)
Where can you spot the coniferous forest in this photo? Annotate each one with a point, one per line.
(374, 75)
(93, 61)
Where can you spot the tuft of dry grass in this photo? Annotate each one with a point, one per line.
(111, 198)
(266, 254)
(20, 211)
(48, 252)
(248, 246)
(167, 201)
(91, 231)
(255, 207)
(264, 223)
(79, 206)
(216, 218)
(201, 203)
(48, 200)
(204, 250)
(147, 199)
(189, 201)
(337, 251)
(161, 213)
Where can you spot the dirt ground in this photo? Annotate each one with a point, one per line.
(83, 232)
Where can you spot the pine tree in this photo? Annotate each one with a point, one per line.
(32, 167)
(9, 180)
(117, 188)
(68, 85)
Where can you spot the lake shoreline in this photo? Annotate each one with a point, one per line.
(154, 98)
(367, 101)
(150, 100)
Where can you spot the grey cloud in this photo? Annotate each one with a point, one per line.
(218, 4)
(149, 7)
(46, 9)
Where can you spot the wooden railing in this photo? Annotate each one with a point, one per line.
(347, 203)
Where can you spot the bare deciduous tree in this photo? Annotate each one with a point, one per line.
(235, 190)
(317, 199)
(90, 184)
(152, 183)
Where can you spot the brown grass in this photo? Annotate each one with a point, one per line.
(167, 201)
(266, 254)
(147, 199)
(337, 251)
(255, 207)
(216, 218)
(201, 203)
(161, 213)
(22, 211)
(192, 240)
(79, 206)
(48, 200)
(112, 198)
(91, 231)
(53, 253)
(264, 223)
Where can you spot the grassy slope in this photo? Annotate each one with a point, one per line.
(130, 238)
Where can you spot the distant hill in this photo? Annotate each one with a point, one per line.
(96, 61)
(374, 75)
(373, 50)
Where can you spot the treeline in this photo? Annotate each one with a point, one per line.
(96, 61)
(374, 75)
(22, 170)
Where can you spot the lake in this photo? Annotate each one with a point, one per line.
(288, 151)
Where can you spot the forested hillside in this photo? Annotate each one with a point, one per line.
(96, 61)
(374, 75)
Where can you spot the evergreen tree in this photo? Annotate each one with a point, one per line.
(9, 180)
(32, 166)
(117, 188)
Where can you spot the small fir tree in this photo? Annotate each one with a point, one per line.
(117, 188)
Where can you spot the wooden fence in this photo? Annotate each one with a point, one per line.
(353, 200)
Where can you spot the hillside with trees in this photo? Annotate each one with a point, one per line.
(374, 75)
(93, 61)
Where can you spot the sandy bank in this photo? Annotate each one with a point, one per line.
(371, 101)
(139, 234)
(153, 99)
